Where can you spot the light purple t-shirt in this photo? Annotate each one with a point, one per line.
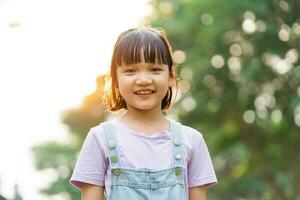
(140, 151)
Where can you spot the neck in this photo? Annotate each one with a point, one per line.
(144, 116)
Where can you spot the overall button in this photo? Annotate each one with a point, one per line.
(116, 172)
(111, 144)
(178, 156)
(178, 171)
(177, 142)
(113, 159)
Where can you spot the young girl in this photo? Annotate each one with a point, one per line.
(143, 155)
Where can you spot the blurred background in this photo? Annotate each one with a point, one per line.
(239, 70)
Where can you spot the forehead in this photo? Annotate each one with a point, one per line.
(142, 46)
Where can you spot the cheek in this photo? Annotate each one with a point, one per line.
(163, 81)
(123, 86)
(122, 81)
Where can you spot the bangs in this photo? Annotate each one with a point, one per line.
(133, 44)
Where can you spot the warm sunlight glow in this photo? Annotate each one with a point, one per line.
(51, 52)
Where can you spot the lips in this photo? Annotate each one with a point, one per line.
(144, 92)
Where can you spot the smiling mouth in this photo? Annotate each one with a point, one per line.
(144, 92)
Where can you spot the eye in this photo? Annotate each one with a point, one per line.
(156, 69)
(129, 71)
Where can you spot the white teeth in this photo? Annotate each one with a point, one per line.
(144, 92)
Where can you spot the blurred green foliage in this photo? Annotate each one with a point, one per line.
(60, 158)
(240, 86)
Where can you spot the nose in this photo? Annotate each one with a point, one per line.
(143, 79)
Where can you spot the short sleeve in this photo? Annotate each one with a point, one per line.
(91, 164)
(200, 167)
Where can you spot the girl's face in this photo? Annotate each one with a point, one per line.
(143, 85)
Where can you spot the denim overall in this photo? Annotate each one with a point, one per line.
(146, 184)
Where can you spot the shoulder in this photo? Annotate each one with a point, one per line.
(97, 133)
(191, 133)
(192, 138)
(99, 130)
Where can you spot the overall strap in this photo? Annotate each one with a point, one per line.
(111, 144)
(177, 157)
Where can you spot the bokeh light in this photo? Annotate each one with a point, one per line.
(284, 6)
(235, 49)
(184, 86)
(207, 19)
(296, 28)
(209, 81)
(186, 73)
(297, 115)
(284, 33)
(234, 65)
(292, 55)
(249, 26)
(249, 116)
(217, 61)
(260, 26)
(179, 56)
(189, 104)
(276, 115)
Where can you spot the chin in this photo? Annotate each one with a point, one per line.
(144, 108)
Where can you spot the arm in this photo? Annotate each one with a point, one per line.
(201, 174)
(197, 193)
(91, 192)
